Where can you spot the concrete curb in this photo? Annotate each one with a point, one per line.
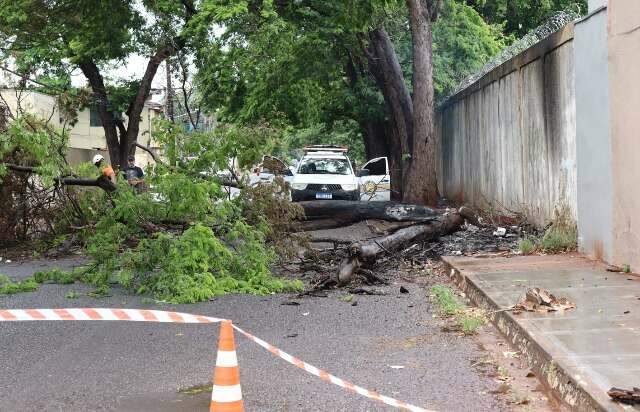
(553, 373)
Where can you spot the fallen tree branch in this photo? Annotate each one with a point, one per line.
(148, 150)
(100, 182)
(448, 222)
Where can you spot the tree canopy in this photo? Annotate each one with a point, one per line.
(61, 37)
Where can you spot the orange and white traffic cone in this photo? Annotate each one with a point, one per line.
(226, 395)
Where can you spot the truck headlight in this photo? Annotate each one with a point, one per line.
(299, 186)
(349, 187)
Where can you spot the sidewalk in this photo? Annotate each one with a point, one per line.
(580, 353)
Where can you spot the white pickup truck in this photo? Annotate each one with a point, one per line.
(325, 172)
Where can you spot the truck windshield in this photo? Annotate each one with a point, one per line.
(311, 166)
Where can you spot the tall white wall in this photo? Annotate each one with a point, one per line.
(508, 141)
(593, 144)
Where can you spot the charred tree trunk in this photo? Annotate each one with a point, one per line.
(420, 184)
(326, 214)
(376, 130)
(375, 139)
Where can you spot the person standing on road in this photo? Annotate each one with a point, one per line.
(105, 169)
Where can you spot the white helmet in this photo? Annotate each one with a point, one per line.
(97, 158)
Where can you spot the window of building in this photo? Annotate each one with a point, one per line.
(94, 117)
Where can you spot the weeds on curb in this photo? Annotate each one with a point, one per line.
(467, 320)
(526, 246)
(562, 235)
(446, 301)
(72, 294)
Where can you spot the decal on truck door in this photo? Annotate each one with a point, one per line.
(375, 185)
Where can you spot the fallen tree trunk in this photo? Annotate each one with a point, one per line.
(328, 214)
(444, 224)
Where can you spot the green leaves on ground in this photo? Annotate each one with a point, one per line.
(183, 241)
(225, 246)
(9, 287)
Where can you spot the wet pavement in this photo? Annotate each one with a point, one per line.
(88, 366)
(597, 344)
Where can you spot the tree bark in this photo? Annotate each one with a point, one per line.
(420, 184)
(359, 253)
(387, 73)
(103, 183)
(136, 106)
(92, 73)
(326, 214)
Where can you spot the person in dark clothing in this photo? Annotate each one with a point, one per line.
(134, 174)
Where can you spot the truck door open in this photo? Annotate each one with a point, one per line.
(374, 180)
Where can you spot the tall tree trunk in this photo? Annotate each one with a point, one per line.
(136, 106)
(379, 134)
(375, 139)
(92, 73)
(420, 183)
(385, 69)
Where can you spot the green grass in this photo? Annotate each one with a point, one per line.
(194, 390)
(347, 298)
(446, 301)
(471, 323)
(526, 246)
(562, 235)
(467, 321)
(56, 275)
(559, 239)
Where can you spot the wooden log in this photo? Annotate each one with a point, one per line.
(328, 214)
(448, 222)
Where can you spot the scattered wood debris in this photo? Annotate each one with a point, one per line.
(540, 300)
(625, 395)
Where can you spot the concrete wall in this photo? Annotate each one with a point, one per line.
(624, 88)
(593, 143)
(508, 140)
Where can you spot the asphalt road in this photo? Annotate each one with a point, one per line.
(90, 366)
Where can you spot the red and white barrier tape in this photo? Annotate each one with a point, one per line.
(142, 315)
(133, 315)
(327, 377)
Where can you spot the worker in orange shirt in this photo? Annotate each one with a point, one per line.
(105, 169)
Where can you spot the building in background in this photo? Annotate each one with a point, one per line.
(86, 136)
